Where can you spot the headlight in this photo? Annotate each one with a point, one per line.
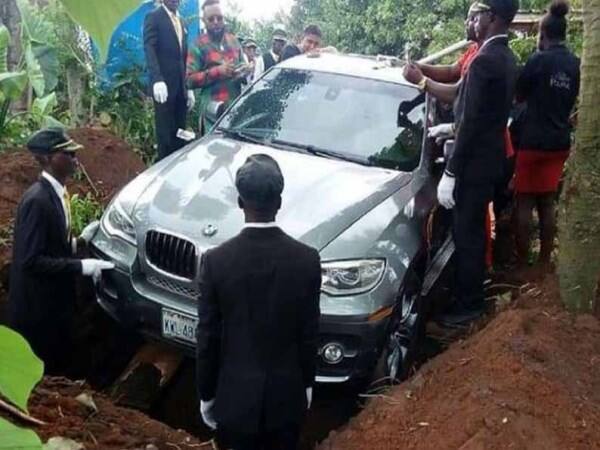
(351, 277)
(118, 223)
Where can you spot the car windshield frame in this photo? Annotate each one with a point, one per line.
(417, 107)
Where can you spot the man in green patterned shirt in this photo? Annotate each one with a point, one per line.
(215, 64)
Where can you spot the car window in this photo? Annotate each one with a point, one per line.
(377, 121)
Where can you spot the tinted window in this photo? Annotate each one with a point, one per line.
(379, 122)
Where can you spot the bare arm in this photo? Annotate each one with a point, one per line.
(443, 92)
(441, 74)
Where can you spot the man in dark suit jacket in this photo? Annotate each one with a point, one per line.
(165, 46)
(258, 315)
(481, 114)
(41, 289)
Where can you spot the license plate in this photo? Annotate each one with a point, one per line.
(179, 326)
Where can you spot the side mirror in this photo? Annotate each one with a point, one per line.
(214, 110)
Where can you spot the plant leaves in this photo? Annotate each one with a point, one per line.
(34, 71)
(13, 84)
(4, 43)
(49, 121)
(100, 18)
(43, 106)
(15, 438)
(61, 443)
(21, 369)
(47, 58)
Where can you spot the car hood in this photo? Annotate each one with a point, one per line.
(194, 195)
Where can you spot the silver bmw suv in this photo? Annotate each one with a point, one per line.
(349, 135)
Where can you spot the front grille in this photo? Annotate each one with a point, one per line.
(168, 285)
(171, 254)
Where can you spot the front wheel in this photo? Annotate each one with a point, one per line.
(404, 330)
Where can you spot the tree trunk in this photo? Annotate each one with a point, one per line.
(11, 19)
(76, 79)
(579, 259)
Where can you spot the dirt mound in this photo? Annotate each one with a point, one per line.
(529, 380)
(111, 427)
(109, 161)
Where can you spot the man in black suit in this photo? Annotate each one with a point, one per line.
(42, 289)
(165, 46)
(481, 114)
(258, 315)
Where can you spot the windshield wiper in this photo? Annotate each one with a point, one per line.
(241, 135)
(317, 151)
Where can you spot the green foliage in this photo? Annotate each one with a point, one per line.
(523, 47)
(129, 113)
(15, 438)
(4, 43)
(6, 234)
(385, 26)
(100, 17)
(21, 369)
(83, 211)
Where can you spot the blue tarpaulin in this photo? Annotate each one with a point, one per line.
(126, 48)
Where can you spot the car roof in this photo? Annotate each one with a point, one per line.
(352, 65)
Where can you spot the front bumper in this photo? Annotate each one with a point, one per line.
(120, 296)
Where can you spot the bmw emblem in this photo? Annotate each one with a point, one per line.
(210, 230)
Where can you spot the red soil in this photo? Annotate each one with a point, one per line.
(529, 380)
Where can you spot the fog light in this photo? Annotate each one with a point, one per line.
(332, 353)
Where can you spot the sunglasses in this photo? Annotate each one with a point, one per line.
(214, 19)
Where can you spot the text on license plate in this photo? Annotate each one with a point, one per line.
(179, 326)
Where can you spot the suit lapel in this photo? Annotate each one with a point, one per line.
(171, 26)
(58, 208)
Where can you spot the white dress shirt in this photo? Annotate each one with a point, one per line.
(261, 225)
(60, 191)
(176, 21)
(259, 68)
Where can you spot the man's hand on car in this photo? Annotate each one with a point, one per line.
(94, 267)
(206, 411)
(445, 191)
(441, 132)
(412, 73)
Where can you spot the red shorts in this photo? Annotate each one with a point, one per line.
(538, 172)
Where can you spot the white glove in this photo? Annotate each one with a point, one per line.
(308, 397)
(441, 132)
(206, 411)
(161, 94)
(89, 231)
(94, 267)
(445, 191)
(191, 100)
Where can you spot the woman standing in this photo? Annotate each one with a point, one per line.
(548, 85)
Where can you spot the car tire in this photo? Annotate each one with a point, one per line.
(404, 331)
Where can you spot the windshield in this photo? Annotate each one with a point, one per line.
(333, 115)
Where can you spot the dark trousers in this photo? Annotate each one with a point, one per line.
(469, 236)
(51, 341)
(169, 117)
(283, 439)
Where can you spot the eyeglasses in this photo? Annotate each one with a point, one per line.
(214, 19)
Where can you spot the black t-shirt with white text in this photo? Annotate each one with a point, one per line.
(549, 85)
